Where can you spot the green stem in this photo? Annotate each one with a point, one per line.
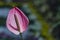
(21, 36)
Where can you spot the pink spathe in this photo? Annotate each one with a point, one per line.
(17, 21)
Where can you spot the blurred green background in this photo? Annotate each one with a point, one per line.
(44, 17)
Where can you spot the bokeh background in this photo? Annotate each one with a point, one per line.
(44, 17)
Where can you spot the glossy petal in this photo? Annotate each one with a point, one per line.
(17, 21)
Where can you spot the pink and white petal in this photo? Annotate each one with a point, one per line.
(22, 20)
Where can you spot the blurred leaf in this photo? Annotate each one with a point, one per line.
(2, 21)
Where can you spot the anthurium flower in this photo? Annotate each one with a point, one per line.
(17, 21)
